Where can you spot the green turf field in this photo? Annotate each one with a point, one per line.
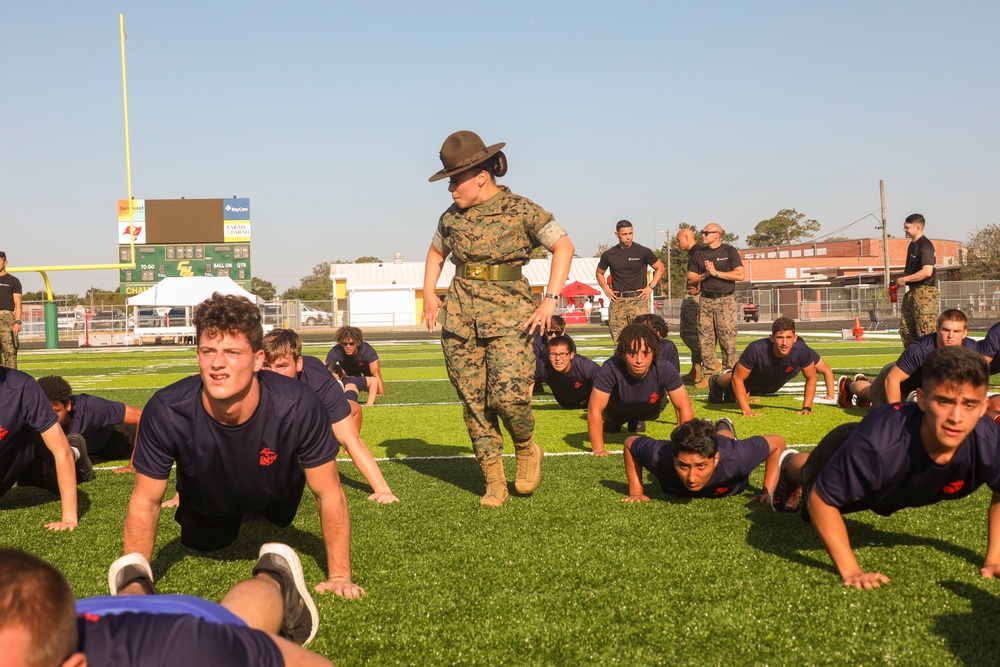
(570, 575)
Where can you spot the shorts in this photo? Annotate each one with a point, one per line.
(824, 451)
(203, 532)
(877, 390)
(184, 605)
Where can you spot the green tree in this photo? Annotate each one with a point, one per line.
(265, 289)
(368, 259)
(317, 286)
(788, 226)
(982, 261)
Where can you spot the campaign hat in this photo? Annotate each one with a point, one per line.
(463, 150)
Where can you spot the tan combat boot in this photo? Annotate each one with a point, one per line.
(496, 482)
(529, 466)
(693, 375)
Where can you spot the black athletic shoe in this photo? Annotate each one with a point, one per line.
(84, 467)
(612, 428)
(636, 426)
(130, 568)
(716, 394)
(784, 489)
(725, 424)
(299, 619)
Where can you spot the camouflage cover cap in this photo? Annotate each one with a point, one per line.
(463, 150)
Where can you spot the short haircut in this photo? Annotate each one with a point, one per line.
(654, 322)
(622, 224)
(695, 436)
(348, 333)
(958, 365)
(228, 314)
(782, 324)
(634, 336)
(56, 389)
(36, 596)
(915, 219)
(560, 340)
(557, 322)
(281, 342)
(952, 315)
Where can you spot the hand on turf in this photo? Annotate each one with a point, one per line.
(599, 452)
(751, 413)
(764, 497)
(341, 587)
(384, 497)
(60, 525)
(866, 580)
(829, 397)
(636, 498)
(804, 412)
(173, 502)
(990, 570)
(120, 469)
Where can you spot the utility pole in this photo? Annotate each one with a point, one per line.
(885, 234)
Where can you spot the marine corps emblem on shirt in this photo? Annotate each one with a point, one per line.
(3, 432)
(577, 385)
(953, 487)
(789, 369)
(267, 457)
(721, 490)
(654, 398)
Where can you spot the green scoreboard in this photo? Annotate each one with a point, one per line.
(184, 237)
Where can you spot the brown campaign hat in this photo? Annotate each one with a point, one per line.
(463, 150)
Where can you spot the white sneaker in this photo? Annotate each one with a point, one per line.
(130, 568)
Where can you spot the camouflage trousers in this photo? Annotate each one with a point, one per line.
(623, 310)
(491, 376)
(8, 352)
(919, 313)
(690, 327)
(717, 321)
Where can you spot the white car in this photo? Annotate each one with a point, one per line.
(312, 316)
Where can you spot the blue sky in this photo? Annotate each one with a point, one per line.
(330, 115)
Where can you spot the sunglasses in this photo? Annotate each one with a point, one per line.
(706, 231)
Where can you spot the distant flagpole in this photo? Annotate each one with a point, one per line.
(128, 157)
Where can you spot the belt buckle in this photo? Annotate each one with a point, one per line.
(475, 271)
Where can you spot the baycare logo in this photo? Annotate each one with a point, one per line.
(267, 457)
(654, 398)
(237, 209)
(134, 230)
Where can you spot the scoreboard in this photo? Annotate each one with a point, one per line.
(184, 237)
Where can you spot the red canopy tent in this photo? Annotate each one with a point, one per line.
(576, 288)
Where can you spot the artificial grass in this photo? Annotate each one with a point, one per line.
(570, 575)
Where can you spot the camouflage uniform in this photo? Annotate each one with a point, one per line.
(8, 353)
(717, 320)
(487, 348)
(919, 312)
(623, 310)
(690, 327)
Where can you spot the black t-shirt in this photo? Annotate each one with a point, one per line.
(232, 470)
(628, 266)
(725, 258)
(919, 254)
(9, 286)
(768, 373)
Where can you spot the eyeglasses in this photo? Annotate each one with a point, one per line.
(705, 232)
(559, 355)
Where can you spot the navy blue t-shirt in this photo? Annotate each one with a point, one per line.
(24, 411)
(668, 351)
(360, 383)
(95, 419)
(172, 640)
(358, 363)
(231, 470)
(541, 344)
(737, 459)
(319, 378)
(990, 347)
(572, 388)
(638, 398)
(768, 373)
(883, 466)
(911, 361)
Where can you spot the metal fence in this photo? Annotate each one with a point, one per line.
(978, 298)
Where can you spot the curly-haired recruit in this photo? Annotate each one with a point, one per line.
(36, 596)
(348, 333)
(281, 342)
(56, 389)
(634, 337)
(655, 322)
(228, 314)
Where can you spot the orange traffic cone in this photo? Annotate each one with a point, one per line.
(858, 330)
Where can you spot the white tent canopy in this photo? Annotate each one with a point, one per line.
(189, 291)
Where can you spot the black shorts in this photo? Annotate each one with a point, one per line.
(826, 448)
(203, 532)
